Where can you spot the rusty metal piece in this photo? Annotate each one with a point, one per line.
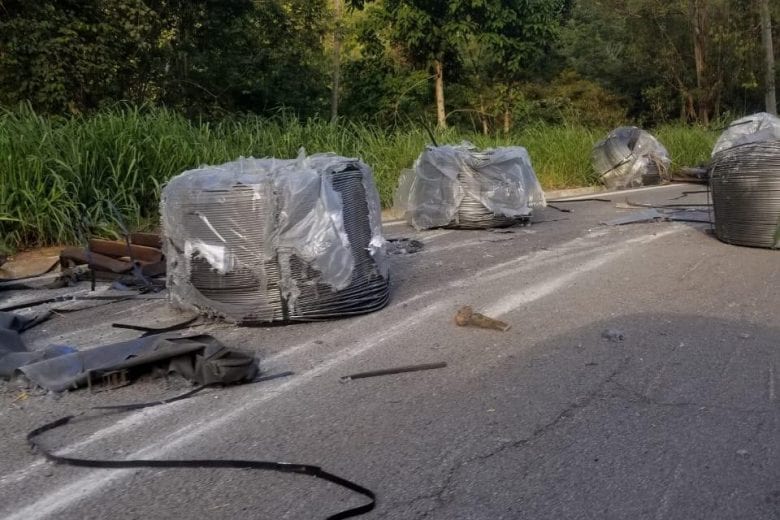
(146, 239)
(77, 256)
(120, 249)
(108, 380)
(466, 317)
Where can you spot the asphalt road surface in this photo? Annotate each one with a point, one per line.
(550, 420)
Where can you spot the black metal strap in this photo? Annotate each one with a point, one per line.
(301, 469)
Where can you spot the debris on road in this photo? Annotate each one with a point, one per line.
(466, 317)
(267, 240)
(150, 331)
(692, 215)
(27, 266)
(36, 444)
(466, 188)
(132, 259)
(201, 359)
(392, 371)
(615, 336)
(630, 157)
(404, 246)
(13, 351)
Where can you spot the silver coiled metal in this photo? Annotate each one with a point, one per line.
(263, 298)
(472, 214)
(745, 183)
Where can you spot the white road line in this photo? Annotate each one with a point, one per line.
(607, 194)
(540, 290)
(89, 485)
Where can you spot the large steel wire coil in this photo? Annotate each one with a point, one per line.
(745, 182)
(472, 214)
(255, 292)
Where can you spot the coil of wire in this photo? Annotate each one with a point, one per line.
(256, 294)
(473, 214)
(745, 183)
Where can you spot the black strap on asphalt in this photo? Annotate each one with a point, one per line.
(393, 371)
(260, 465)
(151, 331)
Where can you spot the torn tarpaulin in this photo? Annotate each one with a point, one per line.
(201, 359)
(13, 352)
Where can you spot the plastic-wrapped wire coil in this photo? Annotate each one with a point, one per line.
(261, 300)
(472, 214)
(745, 183)
(630, 157)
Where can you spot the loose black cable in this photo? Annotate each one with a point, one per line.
(33, 439)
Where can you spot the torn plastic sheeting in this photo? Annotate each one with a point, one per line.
(630, 157)
(188, 356)
(755, 128)
(13, 351)
(499, 183)
(248, 240)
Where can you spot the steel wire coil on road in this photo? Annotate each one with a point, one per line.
(254, 289)
(745, 183)
(472, 214)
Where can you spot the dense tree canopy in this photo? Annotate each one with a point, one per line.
(490, 64)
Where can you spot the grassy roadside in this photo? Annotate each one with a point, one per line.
(59, 176)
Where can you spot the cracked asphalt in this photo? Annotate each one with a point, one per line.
(550, 420)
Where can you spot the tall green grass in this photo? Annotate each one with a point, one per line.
(687, 145)
(63, 178)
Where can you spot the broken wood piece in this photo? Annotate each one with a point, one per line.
(146, 239)
(119, 249)
(466, 317)
(78, 256)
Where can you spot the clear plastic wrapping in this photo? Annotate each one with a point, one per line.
(756, 128)
(630, 157)
(449, 182)
(245, 240)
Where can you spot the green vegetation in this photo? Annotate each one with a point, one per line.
(62, 176)
(117, 96)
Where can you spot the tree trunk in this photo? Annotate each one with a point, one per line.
(441, 114)
(698, 13)
(334, 101)
(766, 38)
(507, 120)
(483, 116)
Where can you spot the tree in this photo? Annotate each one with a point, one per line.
(769, 56)
(515, 35)
(689, 59)
(435, 33)
(241, 56)
(71, 55)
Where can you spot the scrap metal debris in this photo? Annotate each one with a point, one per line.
(466, 317)
(694, 215)
(615, 336)
(150, 331)
(404, 246)
(392, 371)
(137, 259)
(200, 358)
(26, 266)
